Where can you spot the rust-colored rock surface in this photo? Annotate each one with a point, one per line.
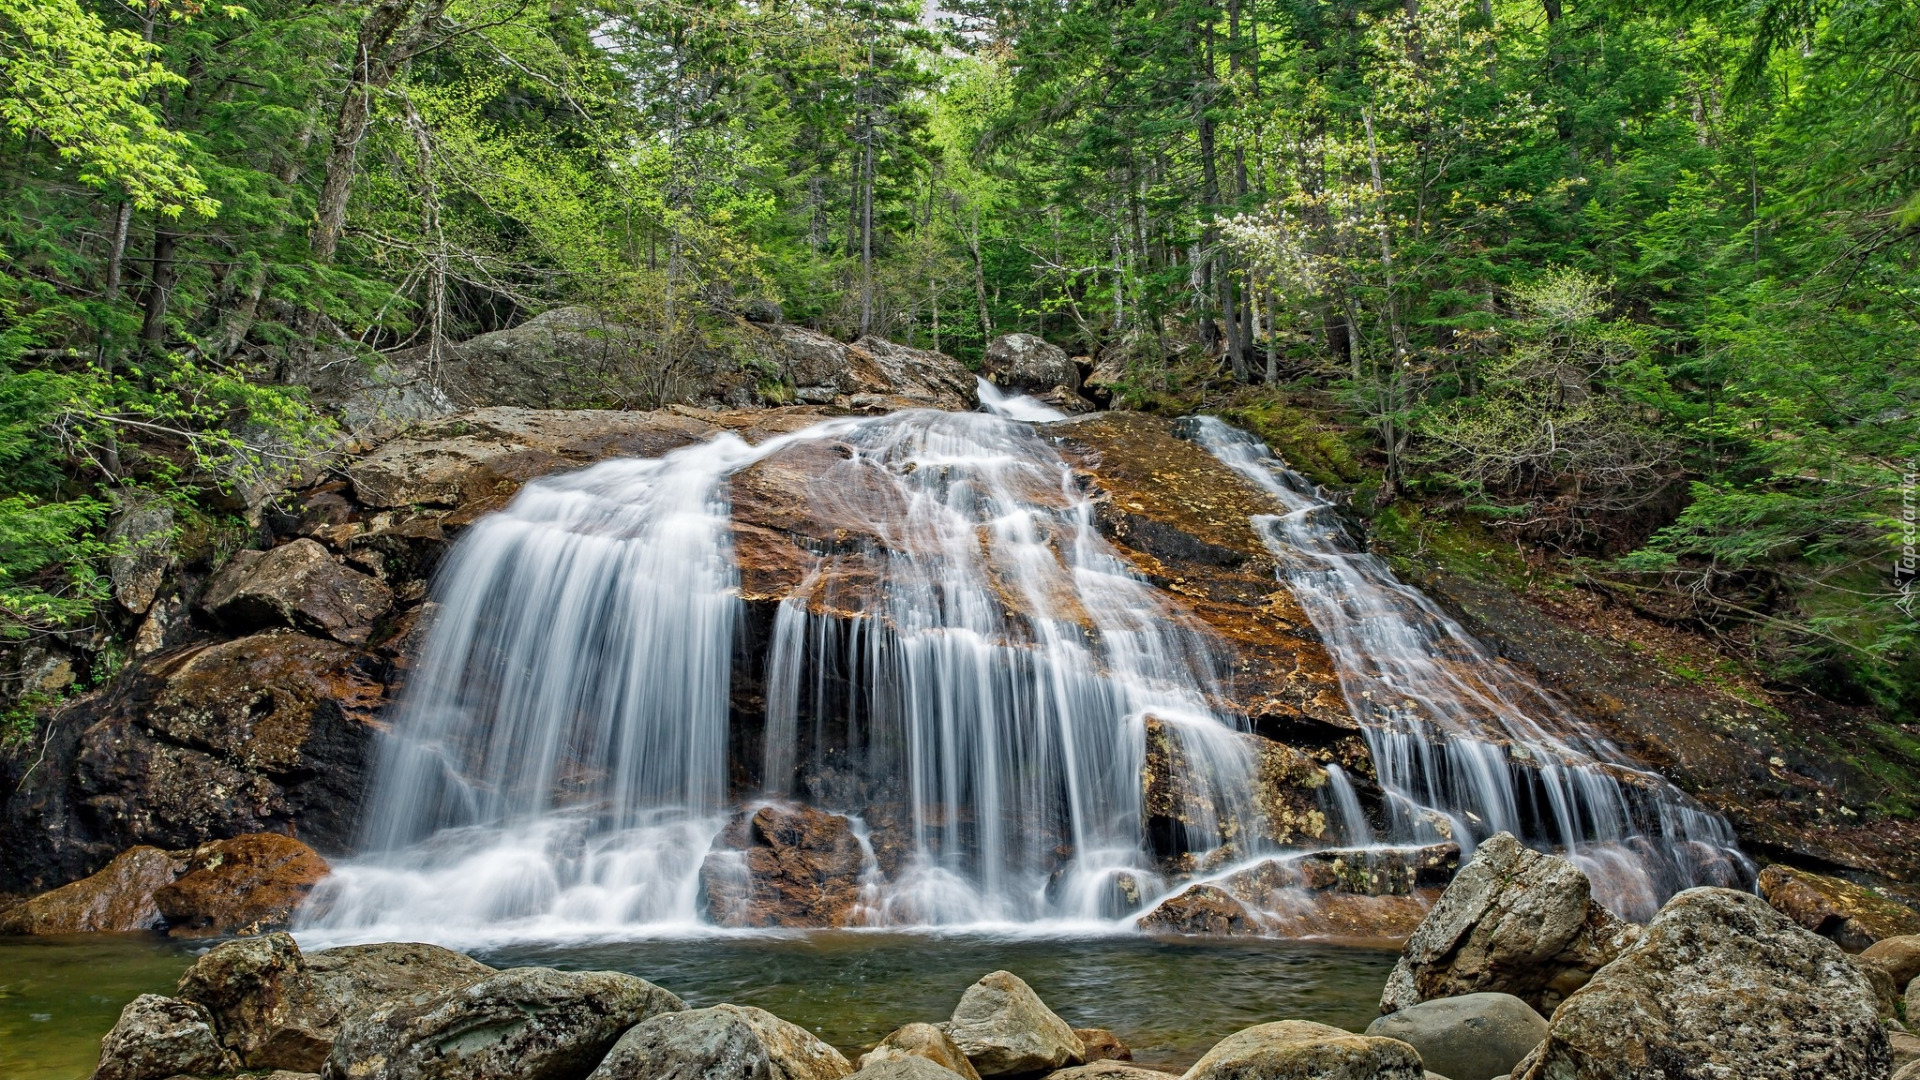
(1202, 909)
(784, 866)
(117, 899)
(246, 885)
(1853, 916)
(298, 585)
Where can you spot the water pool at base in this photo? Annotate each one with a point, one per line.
(1169, 999)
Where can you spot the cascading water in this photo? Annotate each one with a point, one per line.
(1465, 745)
(976, 676)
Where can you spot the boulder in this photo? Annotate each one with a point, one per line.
(1720, 985)
(1099, 1044)
(1899, 956)
(1470, 1037)
(1905, 1047)
(923, 1041)
(1201, 909)
(1909, 1071)
(1107, 1069)
(1850, 914)
(278, 1008)
(141, 539)
(301, 585)
(1029, 364)
(246, 885)
(906, 1067)
(267, 733)
(159, 1037)
(1006, 1030)
(888, 376)
(1884, 990)
(1298, 1050)
(725, 1042)
(1913, 1002)
(784, 866)
(524, 1023)
(117, 899)
(1513, 921)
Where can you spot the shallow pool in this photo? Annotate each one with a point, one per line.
(1169, 999)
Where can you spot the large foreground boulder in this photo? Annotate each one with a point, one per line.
(784, 866)
(1721, 985)
(1006, 1030)
(725, 1042)
(159, 1037)
(1470, 1037)
(1299, 1050)
(1850, 914)
(278, 1008)
(905, 1068)
(524, 1023)
(1513, 921)
(921, 1041)
(118, 899)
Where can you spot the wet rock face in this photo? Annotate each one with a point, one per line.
(1481, 1035)
(524, 1023)
(160, 1037)
(1513, 921)
(1006, 1030)
(1849, 914)
(118, 899)
(1298, 1050)
(297, 585)
(1360, 894)
(240, 886)
(726, 1042)
(1202, 910)
(267, 733)
(921, 1041)
(1721, 985)
(280, 1009)
(784, 866)
(1029, 364)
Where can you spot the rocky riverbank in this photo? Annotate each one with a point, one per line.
(1514, 973)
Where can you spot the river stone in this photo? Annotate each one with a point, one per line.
(905, 1067)
(1513, 921)
(725, 1042)
(1107, 1069)
(1029, 364)
(246, 885)
(1720, 986)
(1099, 1044)
(1299, 1050)
(158, 1037)
(923, 1041)
(1899, 956)
(1005, 1029)
(1470, 1037)
(1905, 1047)
(1913, 1002)
(1200, 909)
(118, 899)
(1885, 993)
(280, 1009)
(523, 1023)
(298, 584)
(1909, 1071)
(1850, 914)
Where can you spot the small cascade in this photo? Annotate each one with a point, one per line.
(1465, 745)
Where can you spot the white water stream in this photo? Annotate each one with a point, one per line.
(974, 672)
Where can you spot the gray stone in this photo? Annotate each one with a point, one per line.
(1006, 1030)
(524, 1024)
(141, 540)
(1470, 1037)
(280, 1009)
(1884, 990)
(158, 1037)
(923, 1041)
(1913, 1002)
(1513, 921)
(299, 585)
(725, 1042)
(1720, 986)
(1107, 1069)
(1299, 1050)
(906, 1067)
(1029, 364)
(1905, 1047)
(1909, 1071)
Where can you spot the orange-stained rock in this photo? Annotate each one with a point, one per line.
(1102, 1045)
(1201, 909)
(298, 585)
(117, 899)
(784, 866)
(246, 885)
(1853, 916)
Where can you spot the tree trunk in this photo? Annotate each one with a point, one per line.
(153, 330)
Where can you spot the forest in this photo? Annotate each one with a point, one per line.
(1632, 290)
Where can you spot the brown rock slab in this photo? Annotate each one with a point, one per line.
(246, 885)
(784, 866)
(117, 899)
(1850, 914)
(301, 585)
(1099, 1044)
(1202, 910)
(1900, 956)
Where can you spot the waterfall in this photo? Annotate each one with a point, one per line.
(1464, 744)
(972, 674)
